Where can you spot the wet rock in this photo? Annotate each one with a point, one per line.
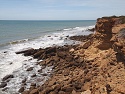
(40, 70)
(3, 84)
(38, 53)
(33, 84)
(67, 36)
(92, 29)
(29, 50)
(11, 63)
(40, 79)
(21, 89)
(30, 69)
(7, 77)
(34, 75)
(44, 74)
(5, 52)
(4, 89)
(32, 87)
(24, 80)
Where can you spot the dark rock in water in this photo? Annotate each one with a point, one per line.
(33, 84)
(3, 84)
(20, 52)
(5, 52)
(21, 89)
(4, 89)
(29, 69)
(7, 77)
(24, 80)
(40, 70)
(92, 29)
(40, 79)
(11, 63)
(67, 36)
(33, 75)
(44, 74)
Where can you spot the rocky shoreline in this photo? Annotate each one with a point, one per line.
(95, 66)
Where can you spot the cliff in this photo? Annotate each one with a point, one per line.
(96, 66)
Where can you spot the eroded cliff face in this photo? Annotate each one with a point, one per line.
(111, 32)
(107, 55)
(96, 66)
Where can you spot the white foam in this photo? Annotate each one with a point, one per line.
(55, 39)
(17, 63)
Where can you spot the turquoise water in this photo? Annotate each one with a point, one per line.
(17, 30)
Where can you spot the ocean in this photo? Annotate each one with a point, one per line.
(17, 35)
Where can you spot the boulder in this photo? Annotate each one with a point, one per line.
(33, 84)
(30, 69)
(21, 89)
(7, 77)
(92, 29)
(29, 50)
(3, 84)
(24, 80)
(34, 75)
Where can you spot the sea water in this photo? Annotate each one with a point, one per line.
(20, 35)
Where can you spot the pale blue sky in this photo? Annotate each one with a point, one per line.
(59, 9)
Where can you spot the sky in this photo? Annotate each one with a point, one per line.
(60, 9)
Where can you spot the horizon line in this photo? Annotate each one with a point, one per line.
(43, 20)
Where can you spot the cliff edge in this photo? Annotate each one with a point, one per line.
(96, 66)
